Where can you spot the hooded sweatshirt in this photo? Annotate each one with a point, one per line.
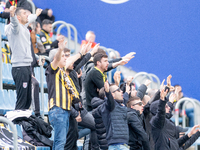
(19, 40)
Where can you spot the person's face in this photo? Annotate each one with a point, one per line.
(23, 16)
(71, 66)
(138, 105)
(104, 64)
(38, 28)
(117, 93)
(91, 38)
(167, 109)
(62, 62)
(48, 27)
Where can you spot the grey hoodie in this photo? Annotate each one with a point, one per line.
(19, 41)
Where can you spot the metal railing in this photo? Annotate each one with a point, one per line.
(1, 66)
(186, 100)
(69, 27)
(14, 130)
(75, 34)
(33, 6)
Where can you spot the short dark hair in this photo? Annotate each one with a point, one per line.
(66, 50)
(98, 57)
(18, 11)
(131, 100)
(46, 21)
(99, 51)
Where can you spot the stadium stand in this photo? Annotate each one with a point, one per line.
(8, 95)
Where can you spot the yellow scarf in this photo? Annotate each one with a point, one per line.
(103, 75)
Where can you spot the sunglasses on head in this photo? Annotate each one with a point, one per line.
(139, 103)
(118, 89)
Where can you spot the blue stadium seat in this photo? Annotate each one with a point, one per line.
(2, 103)
(8, 101)
(12, 95)
(45, 104)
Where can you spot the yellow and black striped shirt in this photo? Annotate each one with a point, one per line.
(58, 92)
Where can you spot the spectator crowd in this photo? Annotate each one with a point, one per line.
(81, 101)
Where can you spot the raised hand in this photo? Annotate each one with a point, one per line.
(60, 37)
(169, 80)
(129, 56)
(38, 11)
(129, 79)
(172, 97)
(12, 11)
(123, 61)
(62, 44)
(163, 94)
(117, 77)
(162, 86)
(106, 86)
(147, 82)
(128, 88)
(193, 130)
(78, 118)
(95, 49)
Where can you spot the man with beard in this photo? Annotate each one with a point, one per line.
(138, 138)
(115, 120)
(19, 40)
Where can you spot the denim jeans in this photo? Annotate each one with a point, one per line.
(59, 119)
(118, 147)
(83, 132)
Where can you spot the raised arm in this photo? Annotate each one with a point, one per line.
(58, 55)
(158, 120)
(72, 59)
(14, 23)
(33, 17)
(110, 104)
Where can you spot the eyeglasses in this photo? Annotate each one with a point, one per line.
(67, 55)
(118, 89)
(139, 103)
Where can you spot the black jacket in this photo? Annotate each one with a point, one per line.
(148, 116)
(163, 129)
(98, 106)
(138, 138)
(190, 141)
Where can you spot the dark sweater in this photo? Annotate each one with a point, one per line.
(93, 82)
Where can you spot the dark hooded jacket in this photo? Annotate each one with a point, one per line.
(115, 121)
(163, 129)
(138, 138)
(99, 106)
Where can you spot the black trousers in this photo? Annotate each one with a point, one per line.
(35, 96)
(72, 135)
(22, 79)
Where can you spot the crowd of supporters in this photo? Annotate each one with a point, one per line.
(81, 101)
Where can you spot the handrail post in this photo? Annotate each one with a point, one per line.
(14, 130)
(177, 108)
(41, 85)
(33, 6)
(68, 29)
(1, 66)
